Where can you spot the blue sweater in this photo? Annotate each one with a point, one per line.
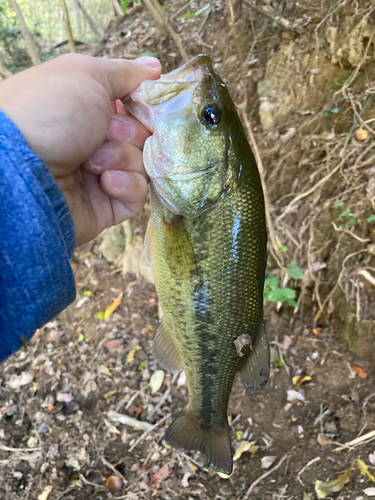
(37, 240)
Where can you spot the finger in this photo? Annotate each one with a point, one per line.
(127, 128)
(116, 155)
(128, 193)
(121, 76)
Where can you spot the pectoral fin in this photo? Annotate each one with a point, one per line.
(165, 351)
(254, 369)
(178, 250)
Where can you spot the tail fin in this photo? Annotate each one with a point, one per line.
(186, 432)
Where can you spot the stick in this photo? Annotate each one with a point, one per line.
(360, 439)
(266, 474)
(141, 438)
(304, 468)
(132, 422)
(115, 471)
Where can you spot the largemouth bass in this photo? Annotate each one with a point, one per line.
(207, 240)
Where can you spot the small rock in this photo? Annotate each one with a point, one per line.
(71, 407)
(43, 428)
(266, 462)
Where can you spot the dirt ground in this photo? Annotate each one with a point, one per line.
(64, 397)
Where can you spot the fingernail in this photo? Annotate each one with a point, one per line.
(118, 179)
(120, 129)
(103, 155)
(152, 62)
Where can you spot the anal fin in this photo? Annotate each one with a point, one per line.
(255, 368)
(165, 351)
(186, 432)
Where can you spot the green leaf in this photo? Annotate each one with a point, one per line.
(272, 282)
(289, 293)
(100, 314)
(81, 338)
(87, 293)
(190, 15)
(339, 204)
(124, 6)
(345, 213)
(148, 53)
(276, 295)
(371, 218)
(292, 302)
(352, 222)
(294, 271)
(31, 441)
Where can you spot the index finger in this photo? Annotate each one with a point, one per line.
(122, 76)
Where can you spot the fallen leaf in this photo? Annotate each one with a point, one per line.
(131, 354)
(159, 476)
(110, 393)
(131, 496)
(361, 373)
(306, 496)
(371, 458)
(323, 439)
(31, 442)
(318, 330)
(287, 342)
(364, 469)
(300, 379)
(17, 381)
(185, 479)
(295, 396)
(266, 462)
(100, 314)
(239, 435)
(370, 492)
(323, 489)
(112, 308)
(103, 369)
(44, 495)
(156, 380)
(114, 344)
(361, 134)
(244, 446)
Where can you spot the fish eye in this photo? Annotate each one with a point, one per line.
(210, 115)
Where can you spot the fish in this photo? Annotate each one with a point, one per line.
(207, 242)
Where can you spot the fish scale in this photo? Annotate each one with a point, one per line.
(208, 241)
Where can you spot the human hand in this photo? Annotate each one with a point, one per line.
(68, 112)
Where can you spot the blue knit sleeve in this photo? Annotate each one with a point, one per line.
(37, 240)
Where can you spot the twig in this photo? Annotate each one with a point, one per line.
(316, 459)
(277, 20)
(141, 438)
(124, 419)
(343, 230)
(360, 439)
(266, 474)
(115, 471)
(160, 17)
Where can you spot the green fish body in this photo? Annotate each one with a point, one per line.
(207, 240)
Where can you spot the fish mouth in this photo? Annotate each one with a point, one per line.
(170, 94)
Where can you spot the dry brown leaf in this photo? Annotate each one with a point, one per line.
(159, 476)
(105, 370)
(361, 373)
(317, 330)
(323, 439)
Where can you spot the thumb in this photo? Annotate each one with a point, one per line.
(122, 76)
